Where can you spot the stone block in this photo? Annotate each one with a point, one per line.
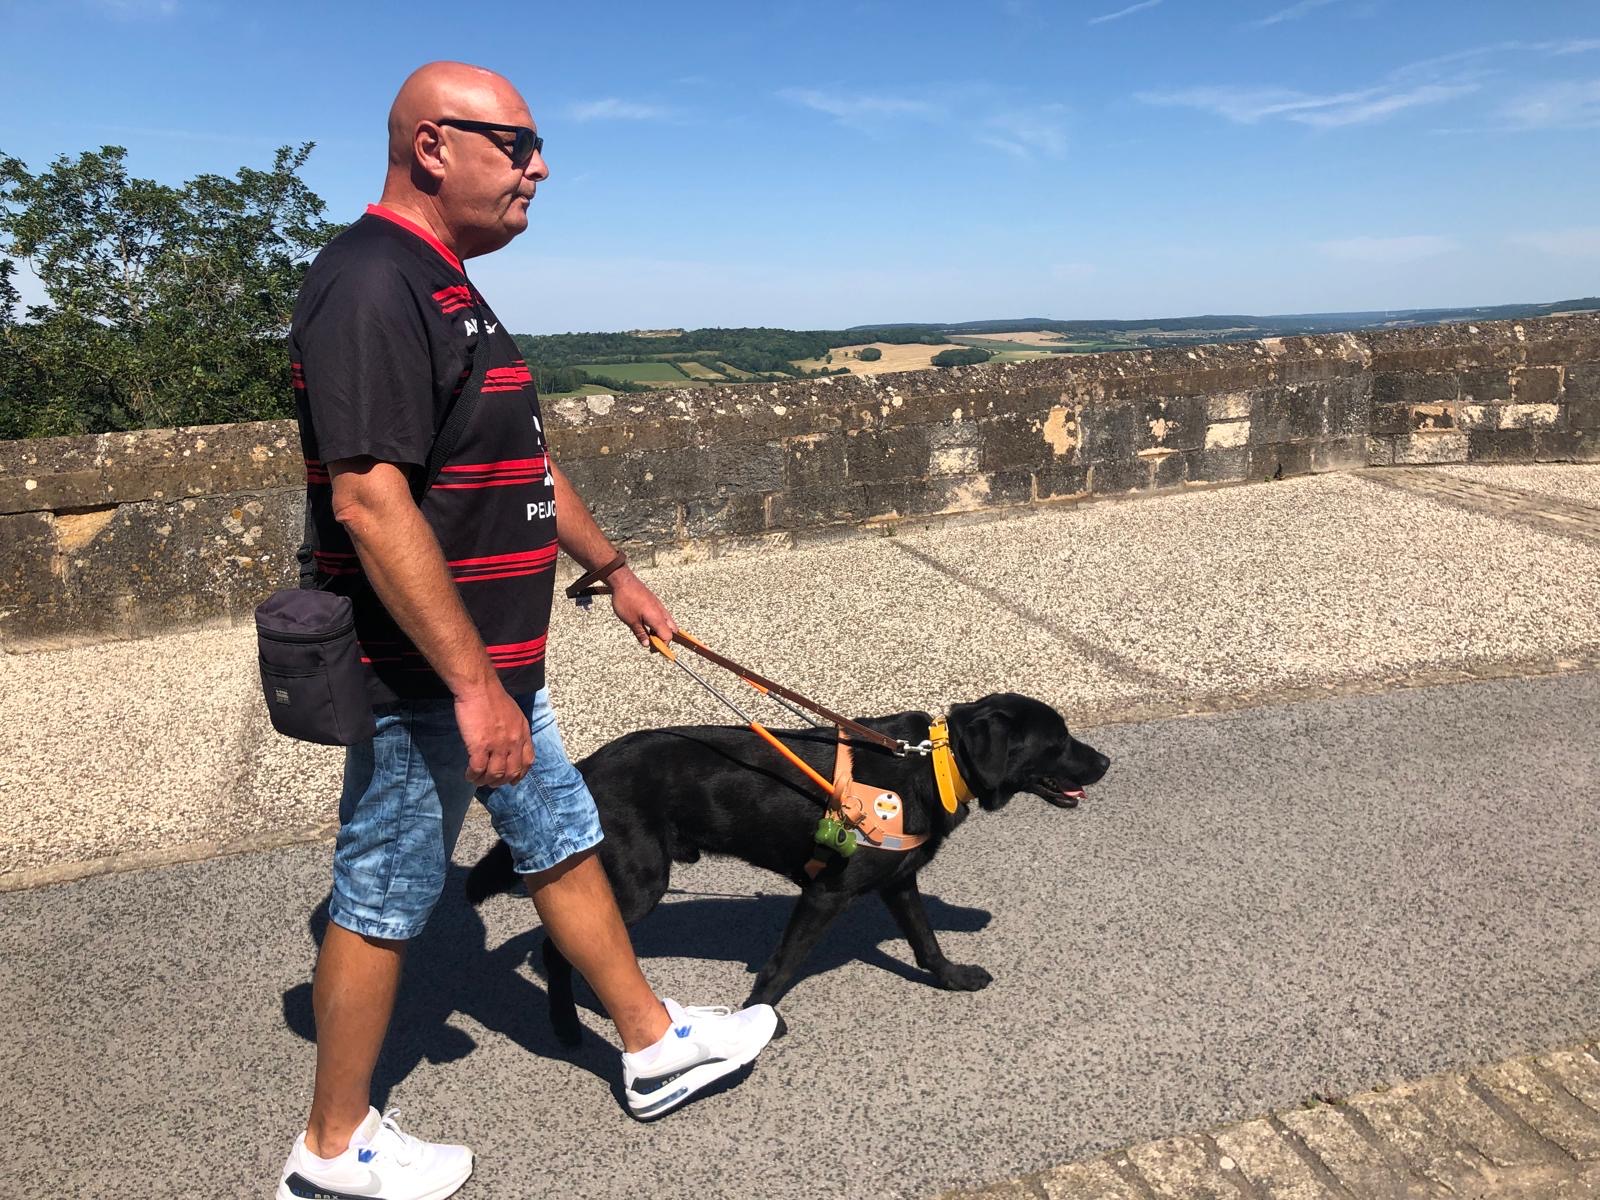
(1222, 465)
(1413, 387)
(887, 454)
(899, 498)
(1536, 385)
(1225, 434)
(1486, 387)
(631, 521)
(649, 478)
(1119, 475)
(1391, 419)
(1419, 1138)
(1181, 1169)
(1578, 1073)
(1465, 1117)
(1108, 431)
(955, 460)
(740, 514)
(1171, 470)
(799, 508)
(1380, 451)
(1556, 1115)
(1013, 442)
(1500, 446)
(1470, 417)
(1095, 1180)
(1432, 448)
(32, 574)
(1282, 460)
(1529, 416)
(1432, 418)
(1354, 1161)
(1339, 454)
(1271, 1163)
(1058, 480)
(1229, 406)
(749, 467)
(44, 474)
(1558, 445)
(1585, 445)
(1171, 423)
(813, 461)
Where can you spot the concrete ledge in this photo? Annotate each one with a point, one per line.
(1525, 1128)
(121, 535)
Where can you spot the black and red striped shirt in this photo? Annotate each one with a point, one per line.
(382, 340)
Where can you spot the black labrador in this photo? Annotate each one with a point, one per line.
(669, 795)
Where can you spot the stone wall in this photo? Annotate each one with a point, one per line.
(124, 534)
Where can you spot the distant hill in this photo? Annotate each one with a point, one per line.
(645, 359)
(1253, 327)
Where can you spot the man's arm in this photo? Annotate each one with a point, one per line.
(635, 604)
(405, 566)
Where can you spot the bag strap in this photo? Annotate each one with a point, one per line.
(460, 412)
(457, 417)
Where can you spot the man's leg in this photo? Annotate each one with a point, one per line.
(352, 995)
(579, 912)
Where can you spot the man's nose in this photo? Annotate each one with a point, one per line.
(537, 169)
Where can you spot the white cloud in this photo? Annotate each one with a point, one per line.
(613, 109)
(1247, 106)
(1123, 12)
(1574, 104)
(1025, 133)
(1563, 243)
(1388, 250)
(857, 107)
(1293, 13)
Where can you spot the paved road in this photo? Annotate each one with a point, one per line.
(1251, 908)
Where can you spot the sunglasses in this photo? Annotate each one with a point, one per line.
(520, 151)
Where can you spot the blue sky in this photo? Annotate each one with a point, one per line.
(828, 164)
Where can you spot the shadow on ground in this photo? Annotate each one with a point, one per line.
(452, 969)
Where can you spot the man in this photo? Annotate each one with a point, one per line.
(452, 599)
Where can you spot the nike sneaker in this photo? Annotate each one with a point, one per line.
(381, 1163)
(701, 1046)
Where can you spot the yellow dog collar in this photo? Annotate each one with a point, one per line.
(953, 789)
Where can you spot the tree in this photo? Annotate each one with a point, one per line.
(869, 354)
(165, 305)
(960, 358)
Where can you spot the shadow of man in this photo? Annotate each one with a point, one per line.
(452, 969)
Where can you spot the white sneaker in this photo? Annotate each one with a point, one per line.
(702, 1046)
(381, 1161)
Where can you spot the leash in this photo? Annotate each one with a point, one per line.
(856, 813)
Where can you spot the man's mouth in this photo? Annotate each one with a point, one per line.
(1062, 796)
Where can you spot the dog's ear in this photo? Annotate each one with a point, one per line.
(985, 745)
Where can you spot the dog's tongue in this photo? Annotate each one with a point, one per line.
(1074, 793)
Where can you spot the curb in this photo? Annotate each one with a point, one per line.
(1524, 1128)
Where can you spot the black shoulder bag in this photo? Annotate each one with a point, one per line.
(311, 672)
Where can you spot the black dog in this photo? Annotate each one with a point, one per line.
(667, 795)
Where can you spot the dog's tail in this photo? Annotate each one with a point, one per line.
(493, 873)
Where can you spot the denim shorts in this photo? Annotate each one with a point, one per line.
(406, 794)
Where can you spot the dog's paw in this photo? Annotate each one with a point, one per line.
(964, 979)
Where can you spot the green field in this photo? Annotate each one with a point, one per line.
(998, 346)
(638, 372)
(695, 371)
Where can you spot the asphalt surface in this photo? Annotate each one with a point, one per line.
(1251, 908)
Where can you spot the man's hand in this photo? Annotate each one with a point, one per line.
(638, 607)
(495, 729)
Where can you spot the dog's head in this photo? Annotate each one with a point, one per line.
(1007, 743)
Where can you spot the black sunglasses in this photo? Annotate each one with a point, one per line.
(527, 143)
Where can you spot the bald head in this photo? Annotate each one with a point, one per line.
(450, 89)
(469, 184)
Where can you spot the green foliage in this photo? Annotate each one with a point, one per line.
(165, 306)
(869, 354)
(960, 358)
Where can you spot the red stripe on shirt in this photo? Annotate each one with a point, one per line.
(378, 210)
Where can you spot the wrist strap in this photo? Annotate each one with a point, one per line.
(593, 582)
